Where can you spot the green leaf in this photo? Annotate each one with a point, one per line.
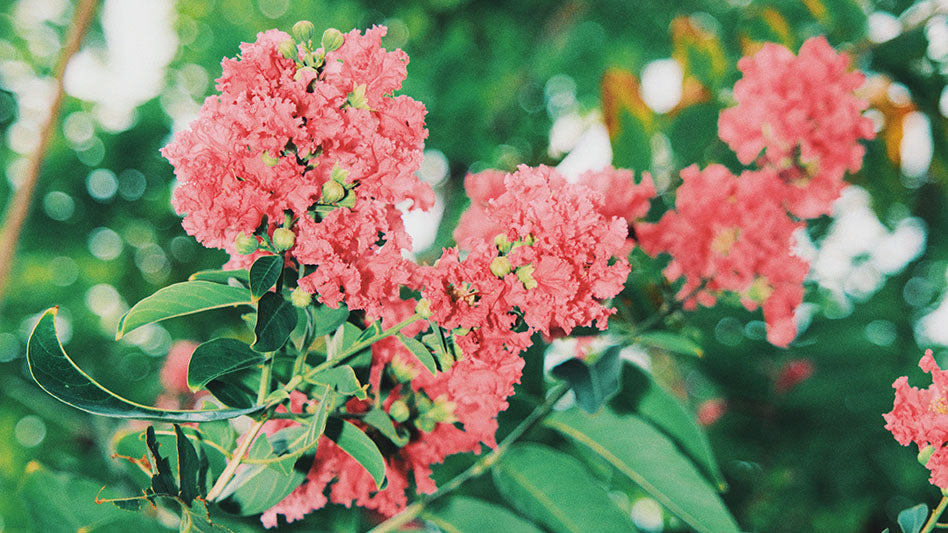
(342, 379)
(59, 376)
(318, 423)
(181, 299)
(469, 515)
(199, 521)
(258, 487)
(671, 342)
(912, 520)
(420, 351)
(221, 276)
(359, 446)
(594, 383)
(219, 357)
(652, 461)
(327, 320)
(264, 272)
(276, 318)
(380, 420)
(189, 467)
(556, 490)
(640, 394)
(162, 482)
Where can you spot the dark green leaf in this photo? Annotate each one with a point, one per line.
(181, 299)
(648, 458)
(264, 273)
(359, 446)
(468, 515)
(912, 520)
(671, 342)
(327, 320)
(188, 467)
(342, 379)
(162, 481)
(380, 420)
(594, 383)
(556, 490)
(221, 276)
(276, 318)
(420, 351)
(58, 375)
(219, 357)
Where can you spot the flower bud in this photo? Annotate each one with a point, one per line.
(423, 308)
(339, 174)
(303, 30)
(503, 245)
(269, 160)
(300, 298)
(289, 50)
(442, 410)
(332, 39)
(399, 411)
(525, 275)
(759, 290)
(925, 454)
(401, 372)
(333, 191)
(357, 98)
(500, 266)
(283, 239)
(246, 244)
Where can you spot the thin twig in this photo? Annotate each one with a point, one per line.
(19, 205)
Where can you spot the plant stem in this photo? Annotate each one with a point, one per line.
(235, 459)
(264, 388)
(19, 206)
(933, 519)
(359, 346)
(478, 468)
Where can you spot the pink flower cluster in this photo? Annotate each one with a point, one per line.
(921, 416)
(735, 233)
(266, 145)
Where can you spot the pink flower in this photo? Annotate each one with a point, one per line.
(174, 372)
(792, 374)
(802, 113)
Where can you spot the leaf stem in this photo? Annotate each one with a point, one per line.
(478, 468)
(264, 388)
(235, 459)
(936, 514)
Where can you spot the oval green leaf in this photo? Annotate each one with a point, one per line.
(558, 491)
(264, 273)
(327, 320)
(652, 461)
(359, 446)
(671, 342)
(276, 318)
(219, 357)
(912, 520)
(420, 351)
(181, 299)
(470, 515)
(221, 276)
(59, 376)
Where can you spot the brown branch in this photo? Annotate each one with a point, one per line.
(19, 205)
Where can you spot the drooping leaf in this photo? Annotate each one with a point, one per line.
(59, 376)
(641, 395)
(221, 276)
(594, 383)
(189, 466)
(276, 318)
(343, 379)
(380, 420)
(327, 320)
(671, 342)
(162, 481)
(652, 461)
(181, 299)
(462, 514)
(557, 491)
(219, 357)
(912, 520)
(420, 351)
(264, 273)
(359, 446)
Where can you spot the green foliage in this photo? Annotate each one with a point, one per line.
(359, 446)
(181, 299)
(593, 383)
(912, 520)
(470, 515)
(276, 318)
(219, 357)
(419, 350)
(264, 274)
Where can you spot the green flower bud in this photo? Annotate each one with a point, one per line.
(303, 30)
(357, 98)
(339, 174)
(332, 39)
(525, 275)
(333, 191)
(299, 73)
(423, 308)
(399, 411)
(349, 200)
(300, 298)
(503, 245)
(269, 160)
(246, 244)
(401, 372)
(425, 424)
(442, 410)
(283, 239)
(925, 454)
(289, 50)
(500, 266)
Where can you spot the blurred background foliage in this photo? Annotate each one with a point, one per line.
(798, 432)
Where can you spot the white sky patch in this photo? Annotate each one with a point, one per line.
(140, 42)
(661, 85)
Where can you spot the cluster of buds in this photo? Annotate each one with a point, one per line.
(302, 50)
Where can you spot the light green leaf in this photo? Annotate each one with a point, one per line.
(671, 342)
(470, 515)
(912, 520)
(327, 320)
(652, 461)
(556, 490)
(276, 318)
(219, 357)
(359, 446)
(380, 420)
(58, 375)
(259, 487)
(419, 350)
(181, 299)
(264, 273)
(342, 379)
(221, 276)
